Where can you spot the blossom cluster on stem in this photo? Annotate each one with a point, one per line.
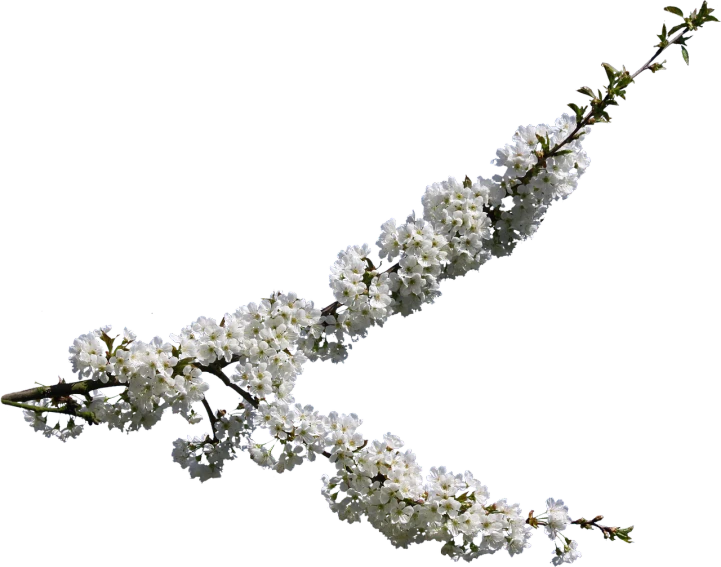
(265, 345)
(260, 350)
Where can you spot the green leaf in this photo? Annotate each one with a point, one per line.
(657, 67)
(603, 116)
(610, 71)
(704, 8)
(674, 10)
(711, 19)
(543, 141)
(467, 182)
(587, 91)
(663, 33)
(563, 152)
(674, 29)
(579, 111)
(684, 52)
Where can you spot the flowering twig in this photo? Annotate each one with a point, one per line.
(608, 532)
(463, 226)
(611, 94)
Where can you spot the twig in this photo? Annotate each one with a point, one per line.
(208, 409)
(67, 409)
(39, 409)
(217, 370)
(523, 180)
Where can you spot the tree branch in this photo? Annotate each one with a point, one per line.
(217, 371)
(61, 390)
(330, 309)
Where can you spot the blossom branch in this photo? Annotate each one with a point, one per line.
(60, 390)
(462, 227)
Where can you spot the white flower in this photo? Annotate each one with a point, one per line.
(494, 537)
(229, 348)
(527, 135)
(261, 350)
(450, 506)
(558, 517)
(289, 458)
(306, 432)
(564, 126)
(209, 353)
(261, 387)
(280, 429)
(400, 512)
(453, 525)
(242, 374)
(380, 503)
(388, 241)
(517, 158)
(568, 555)
(379, 295)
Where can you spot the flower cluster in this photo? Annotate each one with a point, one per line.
(557, 520)
(384, 484)
(567, 554)
(528, 186)
(39, 422)
(365, 295)
(142, 405)
(254, 333)
(460, 214)
(203, 457)
(89, 355)
(463, 226)
(201, 460)
(155, 381)
(300, 433)
(423, 254)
